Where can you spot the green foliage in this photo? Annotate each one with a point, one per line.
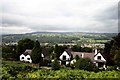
(111, 68)
(18, 70)
(117, 57)
(115, 50)
(72, 74)
(9, 52)
(10, 69)
(55, 65)
(53, 38)
(36, 53)
(81, 49)
(77, 57)
(85, 64)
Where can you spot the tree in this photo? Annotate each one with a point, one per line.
(115, 50)
(23, 45)
(76, 48)
(112, 51)
(36, 53)
(85, 64)
(117, 57)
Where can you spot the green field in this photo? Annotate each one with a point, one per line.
(55, 37)
(13, 69)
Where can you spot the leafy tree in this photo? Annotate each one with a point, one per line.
(87, 49)
(23, 45)
(117, 57)
(112, 51)
(36, 53)
(115, 50)
(76, 48)
(8, 52)
(85, 64)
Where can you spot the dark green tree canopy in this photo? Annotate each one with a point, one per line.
(24, 44)
(36, 53)
(85, 64)
(113, 49)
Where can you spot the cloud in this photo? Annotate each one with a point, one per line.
(59, 15)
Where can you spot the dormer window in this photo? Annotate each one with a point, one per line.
(99, 57)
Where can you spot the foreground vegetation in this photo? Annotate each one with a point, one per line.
(13, 69)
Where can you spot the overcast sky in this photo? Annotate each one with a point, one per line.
(25, 16)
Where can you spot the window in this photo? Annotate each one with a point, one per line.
(99, 57)
(22, 57)
(28, 58)
(64, 57)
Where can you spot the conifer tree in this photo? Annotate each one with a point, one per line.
(36, 53)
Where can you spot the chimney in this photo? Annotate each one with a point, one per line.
(96, 51)
(82, 55)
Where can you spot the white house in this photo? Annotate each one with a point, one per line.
(99, 60)
(65, 58)
(68, 57)
(26, 56)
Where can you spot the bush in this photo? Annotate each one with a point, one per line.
(55, 65)
(85, 64)
(111, 68)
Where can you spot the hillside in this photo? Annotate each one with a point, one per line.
(60, 37)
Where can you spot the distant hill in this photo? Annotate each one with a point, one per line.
(58, 37)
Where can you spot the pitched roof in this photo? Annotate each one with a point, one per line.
(45, 52)
(27, 52)
(69, 51)
(85, 55)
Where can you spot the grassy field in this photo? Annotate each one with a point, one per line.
(53, 38)
(14, 69)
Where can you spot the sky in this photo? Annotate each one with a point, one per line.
(26, 16)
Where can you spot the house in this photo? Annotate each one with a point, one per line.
(26, 56)
(68, 57)
(100, 59)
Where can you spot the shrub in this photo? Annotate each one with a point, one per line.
(55, 65)
(110, 68)
(85, 64)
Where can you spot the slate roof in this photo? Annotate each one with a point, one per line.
(27, 52)
(69, 51)
(86, 55)
(45, 52)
